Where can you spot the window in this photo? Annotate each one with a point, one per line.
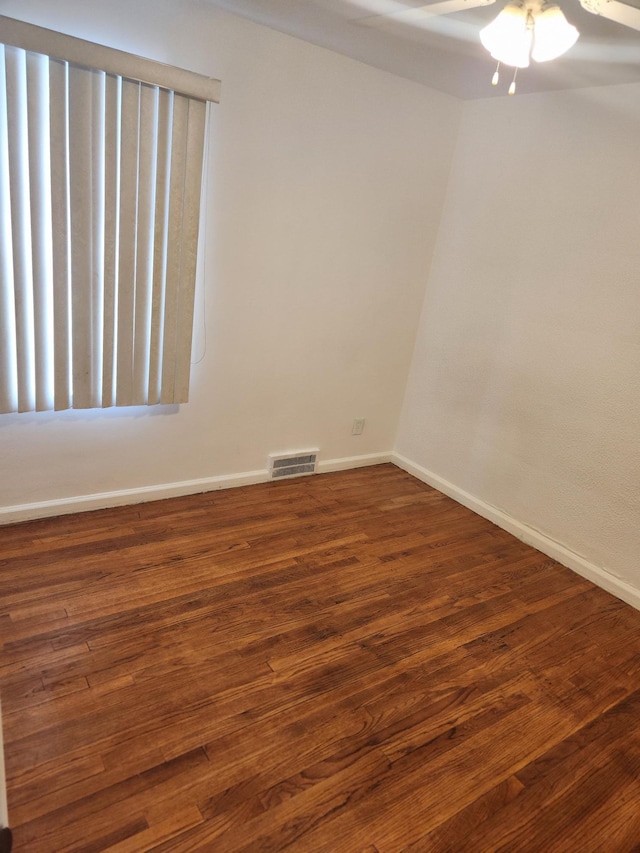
(100, 176)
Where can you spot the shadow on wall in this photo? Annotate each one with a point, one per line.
(88, 416)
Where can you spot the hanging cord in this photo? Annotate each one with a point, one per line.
(496, 75)
(512, 87)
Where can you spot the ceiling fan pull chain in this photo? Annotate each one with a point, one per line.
(496, 75)
(512, 87)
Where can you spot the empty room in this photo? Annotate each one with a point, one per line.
(319, 411)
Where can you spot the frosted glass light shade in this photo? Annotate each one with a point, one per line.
(553, 34)
(509, 37)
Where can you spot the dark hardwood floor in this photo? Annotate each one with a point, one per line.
(343, 663)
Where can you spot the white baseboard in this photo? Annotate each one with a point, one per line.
(347, 462)
(529, 535)
(122, 497)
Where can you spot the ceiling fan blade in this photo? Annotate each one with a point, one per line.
(613, 10)
(416, 14)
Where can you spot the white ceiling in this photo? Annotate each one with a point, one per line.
(444, 52)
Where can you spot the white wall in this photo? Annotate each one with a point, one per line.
(326, 180)
(525, 387)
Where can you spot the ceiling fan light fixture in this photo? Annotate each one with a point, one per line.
(509, 37)
(553, 34)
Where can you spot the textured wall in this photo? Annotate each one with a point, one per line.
(525, 384)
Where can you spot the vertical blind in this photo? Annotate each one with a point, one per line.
(100, 181)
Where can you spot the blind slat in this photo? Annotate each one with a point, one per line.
(60, 234)
(189, 244)
(40, 200)
(174, 245)
(161, 219)
(144, 243)
(8, 365)
(18, 136)
(128, 215)
(80, 155)
(97, 187)
(111, 219)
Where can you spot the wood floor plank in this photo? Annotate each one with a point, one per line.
(342, 663)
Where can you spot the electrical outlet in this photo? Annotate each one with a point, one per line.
(358, 426)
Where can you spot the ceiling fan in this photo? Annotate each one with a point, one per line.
(524, 29)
